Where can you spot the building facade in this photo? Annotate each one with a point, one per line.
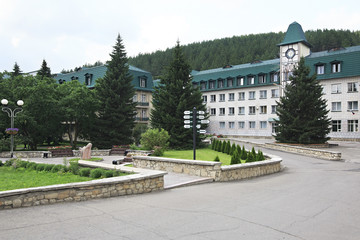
(142, 82)
(241, 99)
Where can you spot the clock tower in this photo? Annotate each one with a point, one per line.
(292, 48)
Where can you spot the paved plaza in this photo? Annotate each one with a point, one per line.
(310, 199)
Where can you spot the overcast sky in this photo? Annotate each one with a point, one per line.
(70, 33)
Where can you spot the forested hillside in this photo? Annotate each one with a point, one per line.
(241, 49)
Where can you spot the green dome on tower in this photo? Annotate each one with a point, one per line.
(294, 34)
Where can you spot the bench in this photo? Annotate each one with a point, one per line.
(62, 152)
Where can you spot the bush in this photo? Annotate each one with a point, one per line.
(31, 165)
(217, 159)
(108, 173)
(232, 149)
(40, 167)
(158, 151)
(9, 162)
(96, 173)
(57, 168)
(22, 164)
(1, 163)
(223, 146)
(48, 167)
(155, 137)
(260, 156)
(235, 159)
(74, 167)
(84, 172)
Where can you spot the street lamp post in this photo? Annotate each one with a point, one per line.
(12, 114)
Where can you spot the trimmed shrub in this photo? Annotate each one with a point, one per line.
(260, 156)
(243, 155)
(31, 165)
(238, 149)
(57, 168)
(217, 159)
(9, 162)
(155, 137)
(115, 173)
(108, 173)
(223, 146)
(235, 159)
(96, 173)
(22, 164)
(84, 172)
(219, 146)
(48, 167)
(232, 149)
(40, 167)
(74, 167)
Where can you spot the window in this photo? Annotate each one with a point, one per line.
(263, 94)
(336, 88)
(263, 109)
(222, 111)
(142, 82)
(222, 124)
(262, 78)
(335, 67)
(274, 93)
(144, 114)
(252, 124)
(231, 124)
(336, 125)
(135, 98)
(241, 96)
(231, 96)
(204, 98)
(240, 81)
(287, 75)
(202, 85)
(353, 125)
(274, 127)
(213, 111)
(211, 84)
(230, 82)
(263, 124)
(220, 83)
(320, 69)
(251, 80)
(353, 106)
(222, 98)
(336, 106)
(251, 110)
(352, 87)
(212, 98)
(241, 124)
(231, 111)
(274, 77)
(273, 109)
(251, 95)
(88, 78)
(241, 110)
(143, 98)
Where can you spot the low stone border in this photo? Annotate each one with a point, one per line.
(311, 152)
(143, 181)
(210, 169)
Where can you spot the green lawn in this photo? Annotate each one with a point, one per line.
(11, 178)
(205, 154)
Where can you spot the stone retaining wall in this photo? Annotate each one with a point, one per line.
(317, 153)
(142, 182)
(210, 169)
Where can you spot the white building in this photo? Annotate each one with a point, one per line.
(242, 99)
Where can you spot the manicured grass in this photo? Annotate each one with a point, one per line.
(205, 154)
(11, 178)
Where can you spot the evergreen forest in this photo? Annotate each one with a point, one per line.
(241, 49)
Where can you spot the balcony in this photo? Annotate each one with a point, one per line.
(142, 104)
(142, 119)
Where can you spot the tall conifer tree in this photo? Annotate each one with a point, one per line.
(302, 110)
(16, 70)
(116, 107)
(44, 71)
(172, 97)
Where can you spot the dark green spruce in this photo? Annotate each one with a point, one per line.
(44, 70)
(116, 111)
(302, 110)
(172, 97)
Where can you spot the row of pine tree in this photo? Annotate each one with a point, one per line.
(238, 154)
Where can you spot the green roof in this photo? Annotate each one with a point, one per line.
(99, 72)
(349, 59)
(294, 34)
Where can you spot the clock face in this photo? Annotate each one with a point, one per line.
(290, 53)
